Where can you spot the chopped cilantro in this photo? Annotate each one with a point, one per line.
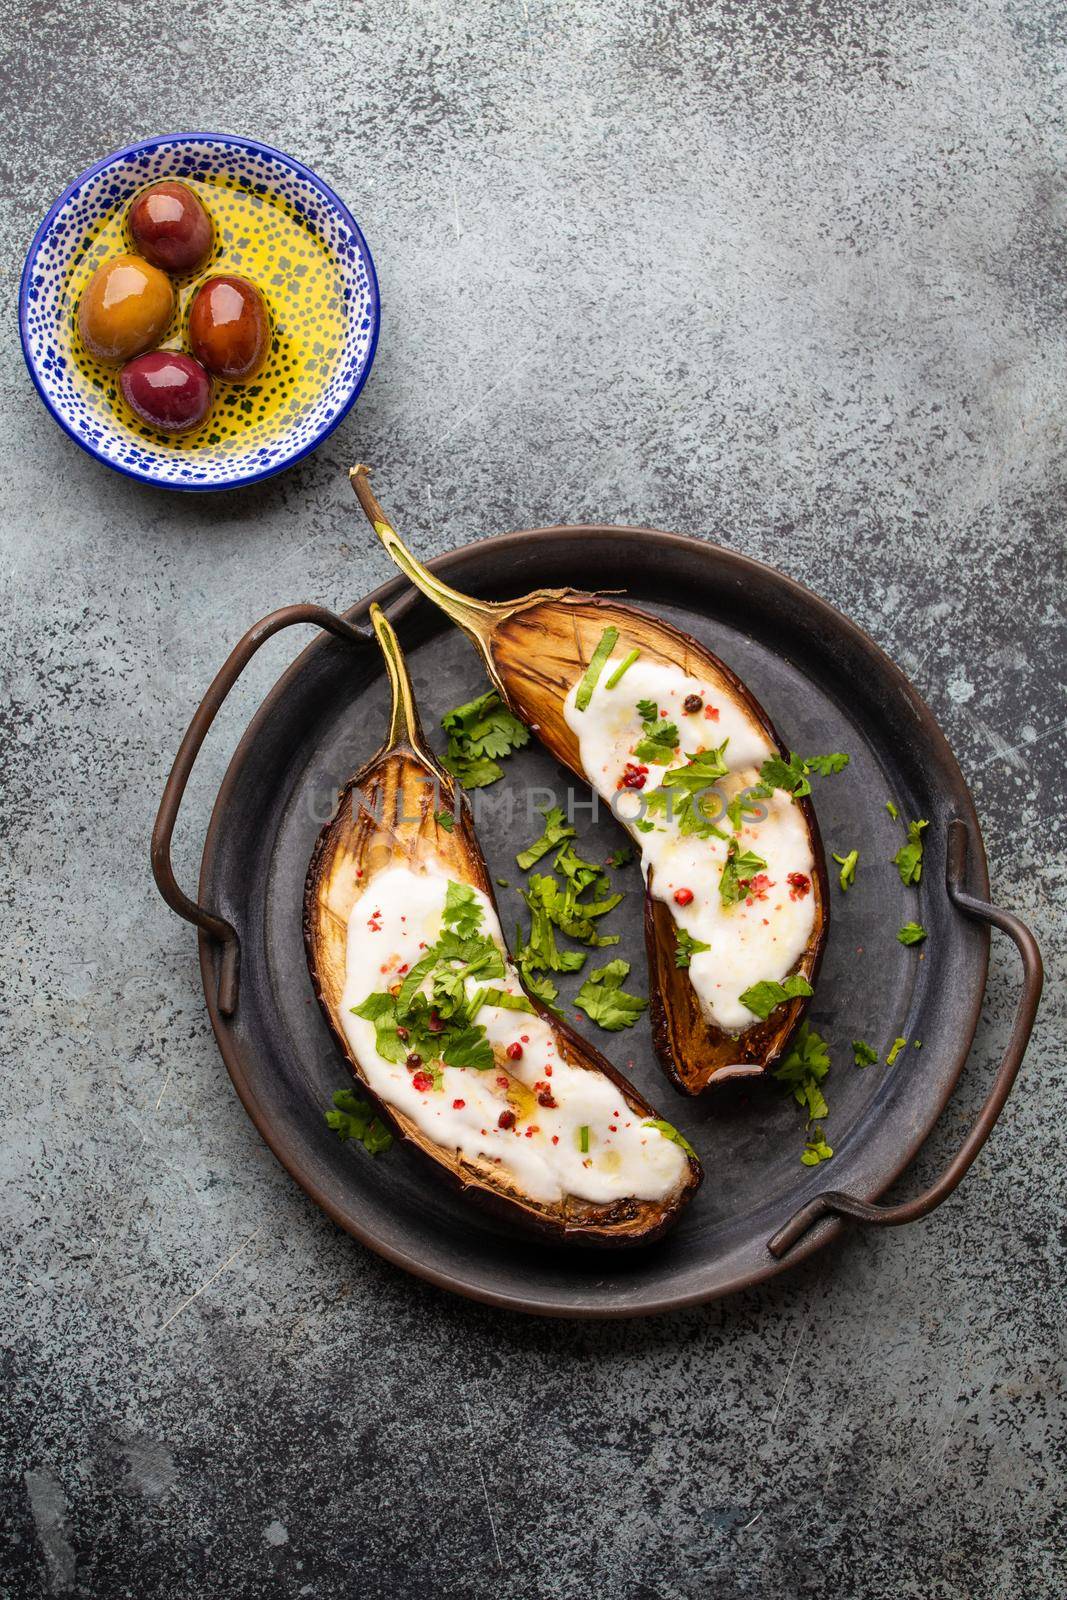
(777, 773)
(581, 874)
(687, 947)
(909, 858)
(660, 739)
(891, 808)
(863, 1054)
(462, 910)
(479, 732)
(624, 666)
(699, 772)
(825, 765)
(896, 1048)
(555, 831)
(804, 1069)
(608, 640)
(692, 780)
(506, 1001)
(816, 1149)
(540, 949)
(604, 1000)
(848, 868)
(763, 997)
(739, 867)
(502, 883)
(566, 911)
(541, 987)
(647, 710)
(353, 1118)
(912, 933)
(620, 857)
(445, 820)
(736, 809)
(793, 775)
(468, 1047)
(669, 1131)
(440, 1026)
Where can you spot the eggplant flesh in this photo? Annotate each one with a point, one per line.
(536, 649)
(389, 818)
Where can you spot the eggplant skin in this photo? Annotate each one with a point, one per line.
(407, 787)
(536, 654)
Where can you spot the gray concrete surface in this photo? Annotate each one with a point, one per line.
(786, 275)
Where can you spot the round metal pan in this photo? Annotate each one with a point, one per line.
(827, 686)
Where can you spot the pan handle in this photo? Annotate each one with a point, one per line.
(223, 932)
(843, 1205)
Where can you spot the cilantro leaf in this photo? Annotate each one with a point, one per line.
(693, 779)
(620, 857)
(380, 1009)
(506, 1001)
(895, 1049)
(604, 1000)
(912, 933)
(669, 1131)
(863, 1054)
(848, 868)
(699, 772)
(353, 1118)
(540, 949)
(462, 910)
(804, 1068)
(568, 913)
(762, 998)
(816, 1150)
(793, 775)
(739, 867)
(647, 710)
(737, 807)
(542, 988)
(478, 732)
(777, 773)
(608, 640)
(909, 858)
(825, 765)
(687, 947)
(445, 820)
(658, 743)
(468, 1047)
(471, 772)
(556, 829)
(580, 874)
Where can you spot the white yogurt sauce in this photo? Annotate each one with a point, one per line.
(396, 917)
(763, 935)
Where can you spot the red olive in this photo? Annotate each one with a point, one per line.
(229, 330)
(171, 228)
(168, 390)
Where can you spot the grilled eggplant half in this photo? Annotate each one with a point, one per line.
(409, 965)
(737, 905)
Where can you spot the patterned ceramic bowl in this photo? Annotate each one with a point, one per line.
(321, 355)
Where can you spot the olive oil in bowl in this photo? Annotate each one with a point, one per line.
(258, 237)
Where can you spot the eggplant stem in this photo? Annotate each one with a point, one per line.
(404, 724)
(475, 617)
